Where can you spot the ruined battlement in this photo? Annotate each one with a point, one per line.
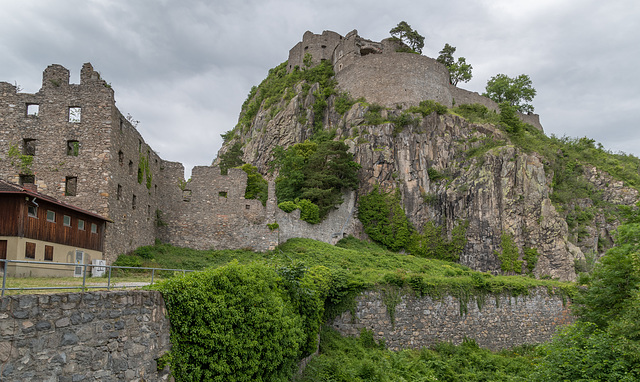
(382, 75)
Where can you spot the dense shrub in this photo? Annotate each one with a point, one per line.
(234, 323)
(257, 186)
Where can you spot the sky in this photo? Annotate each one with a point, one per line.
(183, 68)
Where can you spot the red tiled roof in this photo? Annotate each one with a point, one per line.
(12, 188)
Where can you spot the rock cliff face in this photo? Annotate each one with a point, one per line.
(483, 179)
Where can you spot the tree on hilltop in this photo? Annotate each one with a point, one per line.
(458, 70)
(406, 34)
(517, 92)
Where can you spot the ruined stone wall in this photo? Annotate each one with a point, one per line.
(320, 46)
(103, 336)
(396, 78)
(215, 215)
(84, 152)
(503, 322)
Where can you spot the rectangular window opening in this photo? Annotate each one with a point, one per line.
(222, 194)
(75, 113)
(119, 193)
(80, 225)
(133, 202)
(130, 167)
(33, 109)
(73, 148)
(71, 186)
(66, 220)
(121, 158)
(94, 228)
(30, 250)
(48, 253)
(29, 146)
(186, 195)
(32, 211)
(51, 216)
(26, 179)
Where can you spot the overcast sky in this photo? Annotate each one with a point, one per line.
(184, 67)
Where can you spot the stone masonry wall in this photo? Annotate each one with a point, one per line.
(97, 336)
(502, 322)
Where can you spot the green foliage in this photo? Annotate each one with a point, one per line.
(19, 159)
(273, 226)
(477, 113)
(231, 158)
(412, 38)
(348, 359)
(343, 103)
(435, 175)
(227, 136)
(509, 120)
(234, 323)
(516, 92)
(509, 256)
(257, 186)
(309, 211)
(427, 107)
(288, 206)
(318, 172)
(373, 116)
(458, 70)
(128, 261)
(277, 86)
(530, 257)
(144, 171)
(384, 219)
(434, 243)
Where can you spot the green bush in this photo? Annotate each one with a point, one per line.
(428, 107)
(384, 219)
(128, 261)
(309, 212)
(234, 323)
(288, 206)
(257, 186)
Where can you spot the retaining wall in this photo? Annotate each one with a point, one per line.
(503, 322)
(93, 336)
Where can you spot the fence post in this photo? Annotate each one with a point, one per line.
(109, 280)
(84, 276)
(4, 277)
(153, 272)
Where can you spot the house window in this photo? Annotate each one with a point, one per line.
(119, 193)
(81, 225)
(71, 186)
(33, 109)
(32, 211)
(66, 220)
(27, 179)
(48, 253)
(30, 250)
(51, 216)
(73, 148)
(94, 228)
(74, 114)
(29, 146)
(133, 202)
(121, 158)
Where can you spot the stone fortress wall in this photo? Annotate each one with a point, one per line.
(375, 71)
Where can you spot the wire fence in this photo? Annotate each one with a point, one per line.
(81, 269)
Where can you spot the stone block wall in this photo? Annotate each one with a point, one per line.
(503, 322)
(93, 336)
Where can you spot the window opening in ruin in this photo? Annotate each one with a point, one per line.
(80, 225)
(29, 146)
(119, 193)
(121, 158)
(73, 148)
(26, 179)
(130, 167)
(121, 125)
(247, 206)
(155, 189)
(133, 202)
(186, 195)
(94, 228)
(51, 216)
(323, 46)
(222, 194)
(33, 109)
(148, 211)
(48, 253)
(75, 113)
(139, 146)
(30, 250)
(32, 211)
(66, 220)
(71, 186)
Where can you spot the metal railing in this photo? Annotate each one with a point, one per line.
(84, 285)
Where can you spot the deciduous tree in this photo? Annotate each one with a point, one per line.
(409, 36)
(459, 71)
(517, 91)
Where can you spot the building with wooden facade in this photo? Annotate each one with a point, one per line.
(38, 227)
